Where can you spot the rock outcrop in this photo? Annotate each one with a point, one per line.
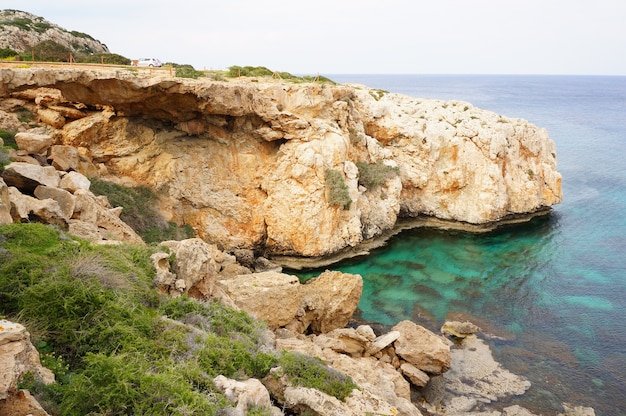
(17, 358)
(21, 31)
(42, 193)
(247, 164)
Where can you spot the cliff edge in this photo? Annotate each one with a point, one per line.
(291, 169)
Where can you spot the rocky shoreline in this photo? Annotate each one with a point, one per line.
(189, 140)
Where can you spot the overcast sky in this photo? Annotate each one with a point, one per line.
(357, 36)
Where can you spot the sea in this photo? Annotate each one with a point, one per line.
(549, 295)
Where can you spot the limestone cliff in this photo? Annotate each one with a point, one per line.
(247, 162)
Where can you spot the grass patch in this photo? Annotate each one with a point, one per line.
(337, 190)
(311, 372)
(115, 345)
(140, 213)
(372, 175)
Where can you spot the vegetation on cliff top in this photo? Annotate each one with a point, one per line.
(118, 347)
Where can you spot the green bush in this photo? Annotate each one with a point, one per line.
(99, 325)
(48, 51)
(337, 190)
(187, 71)
(140, 213)
(311, 372)
(372, 175)
(8, 137)
(249, 71)
(103, 58)
(7, 53)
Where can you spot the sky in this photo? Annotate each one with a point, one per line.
(357, 36)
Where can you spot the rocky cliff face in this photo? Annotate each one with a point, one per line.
(20, 31)
(248, 163)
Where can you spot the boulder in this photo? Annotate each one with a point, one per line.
(416, 376)
(51, 117)
(26, 177)
(73, 181)
(247, 394)
(5, 204)
(422, 348)
(329, 301)
(109, 226)
(164, 280)
(459, 329)
(382, 342)
(18, 356)
(66, 201)
(33, 143)
(24, 207)
(64, 157)
(269, 296)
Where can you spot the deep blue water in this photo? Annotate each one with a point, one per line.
(553, 290)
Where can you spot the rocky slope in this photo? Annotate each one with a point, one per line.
(20, 31)
(247, 162)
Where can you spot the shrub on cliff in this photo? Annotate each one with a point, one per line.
(372, 175)
(337, 190)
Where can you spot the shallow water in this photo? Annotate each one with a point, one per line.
(550, 292)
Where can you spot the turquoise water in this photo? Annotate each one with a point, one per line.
(550, 294)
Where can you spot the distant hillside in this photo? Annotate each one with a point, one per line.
(21, 31)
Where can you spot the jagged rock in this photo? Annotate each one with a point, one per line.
(269, 296)
(73, 181)
(459, 329)
(245, 395)
(164, 279)
(66, 201)
(18, 357)
(383, 341)
(33, 143)
(310, 401)
(195, 268)
(421, 348)
(329, 301)
(45, 210)
(51, 117)
(109, 226)
(27, 177)
(374, 377)
(68, 112)
(22, 403)
(5, 204)
(350, 341)
(367, 332)
(475, 378)
(64, 157)
(415, 375)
